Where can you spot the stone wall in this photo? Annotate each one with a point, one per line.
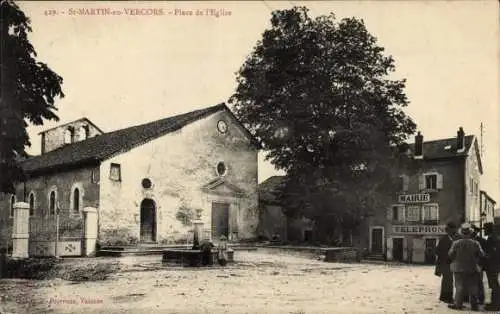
(472, 197)
(40, 186)
(179, 165)
(272, 221)
(54, 138)
(5, 221)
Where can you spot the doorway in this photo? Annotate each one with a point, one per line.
(397, 249)
(377, 238)
(148, 221)
(430, 251)
(220, 220)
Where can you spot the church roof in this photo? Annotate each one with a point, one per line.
(109, 144)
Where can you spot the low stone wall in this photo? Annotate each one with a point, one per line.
(343, 255)
(335, 254)
(48, 248)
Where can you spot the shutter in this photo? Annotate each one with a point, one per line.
(439, 181)
(435, 212)
(426, 212)
(406, 180)
(421, 182)
(401, 213)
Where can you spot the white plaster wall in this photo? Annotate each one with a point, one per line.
(179, 164)
(472, 201)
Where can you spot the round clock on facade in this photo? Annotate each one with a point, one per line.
(146, 183)
(222, 126)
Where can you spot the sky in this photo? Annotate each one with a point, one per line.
(123, 70)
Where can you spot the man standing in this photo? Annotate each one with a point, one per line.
(476, 235)
(465, 254)
(443, 263)
(492, 267)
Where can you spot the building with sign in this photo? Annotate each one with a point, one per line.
(439, 184)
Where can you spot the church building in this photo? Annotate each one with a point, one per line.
(147, 182)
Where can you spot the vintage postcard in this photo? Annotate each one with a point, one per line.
(249, 157)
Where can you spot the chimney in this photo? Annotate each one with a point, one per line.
(419, 146)
(460, 140)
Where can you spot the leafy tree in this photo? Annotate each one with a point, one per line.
(317, 93)
(27, 94)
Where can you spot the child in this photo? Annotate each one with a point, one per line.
(222, 251)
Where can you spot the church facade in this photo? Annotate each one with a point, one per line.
(147, 182)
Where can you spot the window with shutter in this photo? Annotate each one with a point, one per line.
(439, 181)
(401, 213)
(431, 181)
(413, 213)
(431, 213)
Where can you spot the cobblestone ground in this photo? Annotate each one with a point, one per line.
(257, 283)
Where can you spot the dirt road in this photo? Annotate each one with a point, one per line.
(258, 283)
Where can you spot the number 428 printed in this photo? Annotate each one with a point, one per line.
(50, 12)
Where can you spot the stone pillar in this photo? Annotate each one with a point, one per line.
(90, 231)
(198, 224)
(20, 230)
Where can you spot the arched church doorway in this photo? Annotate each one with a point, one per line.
(148, 220)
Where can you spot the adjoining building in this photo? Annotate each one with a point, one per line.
(273, 220)
(147, 182)
(440, 184)
(486, 208)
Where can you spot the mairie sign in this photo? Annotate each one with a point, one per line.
(414, 198)
(419, 229)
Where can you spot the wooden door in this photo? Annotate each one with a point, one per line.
(377, 240)
(397, 249)
(220, 220)
(148, 221)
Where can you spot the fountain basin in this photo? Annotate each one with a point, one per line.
(192, 258)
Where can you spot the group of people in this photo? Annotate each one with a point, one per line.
(222, 247)
(462, 257)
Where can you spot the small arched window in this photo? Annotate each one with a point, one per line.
(52, 203)
(32, 204)
(83, 133)
(76, 200)
(12, 202)
(87, 131)
(68, 135)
